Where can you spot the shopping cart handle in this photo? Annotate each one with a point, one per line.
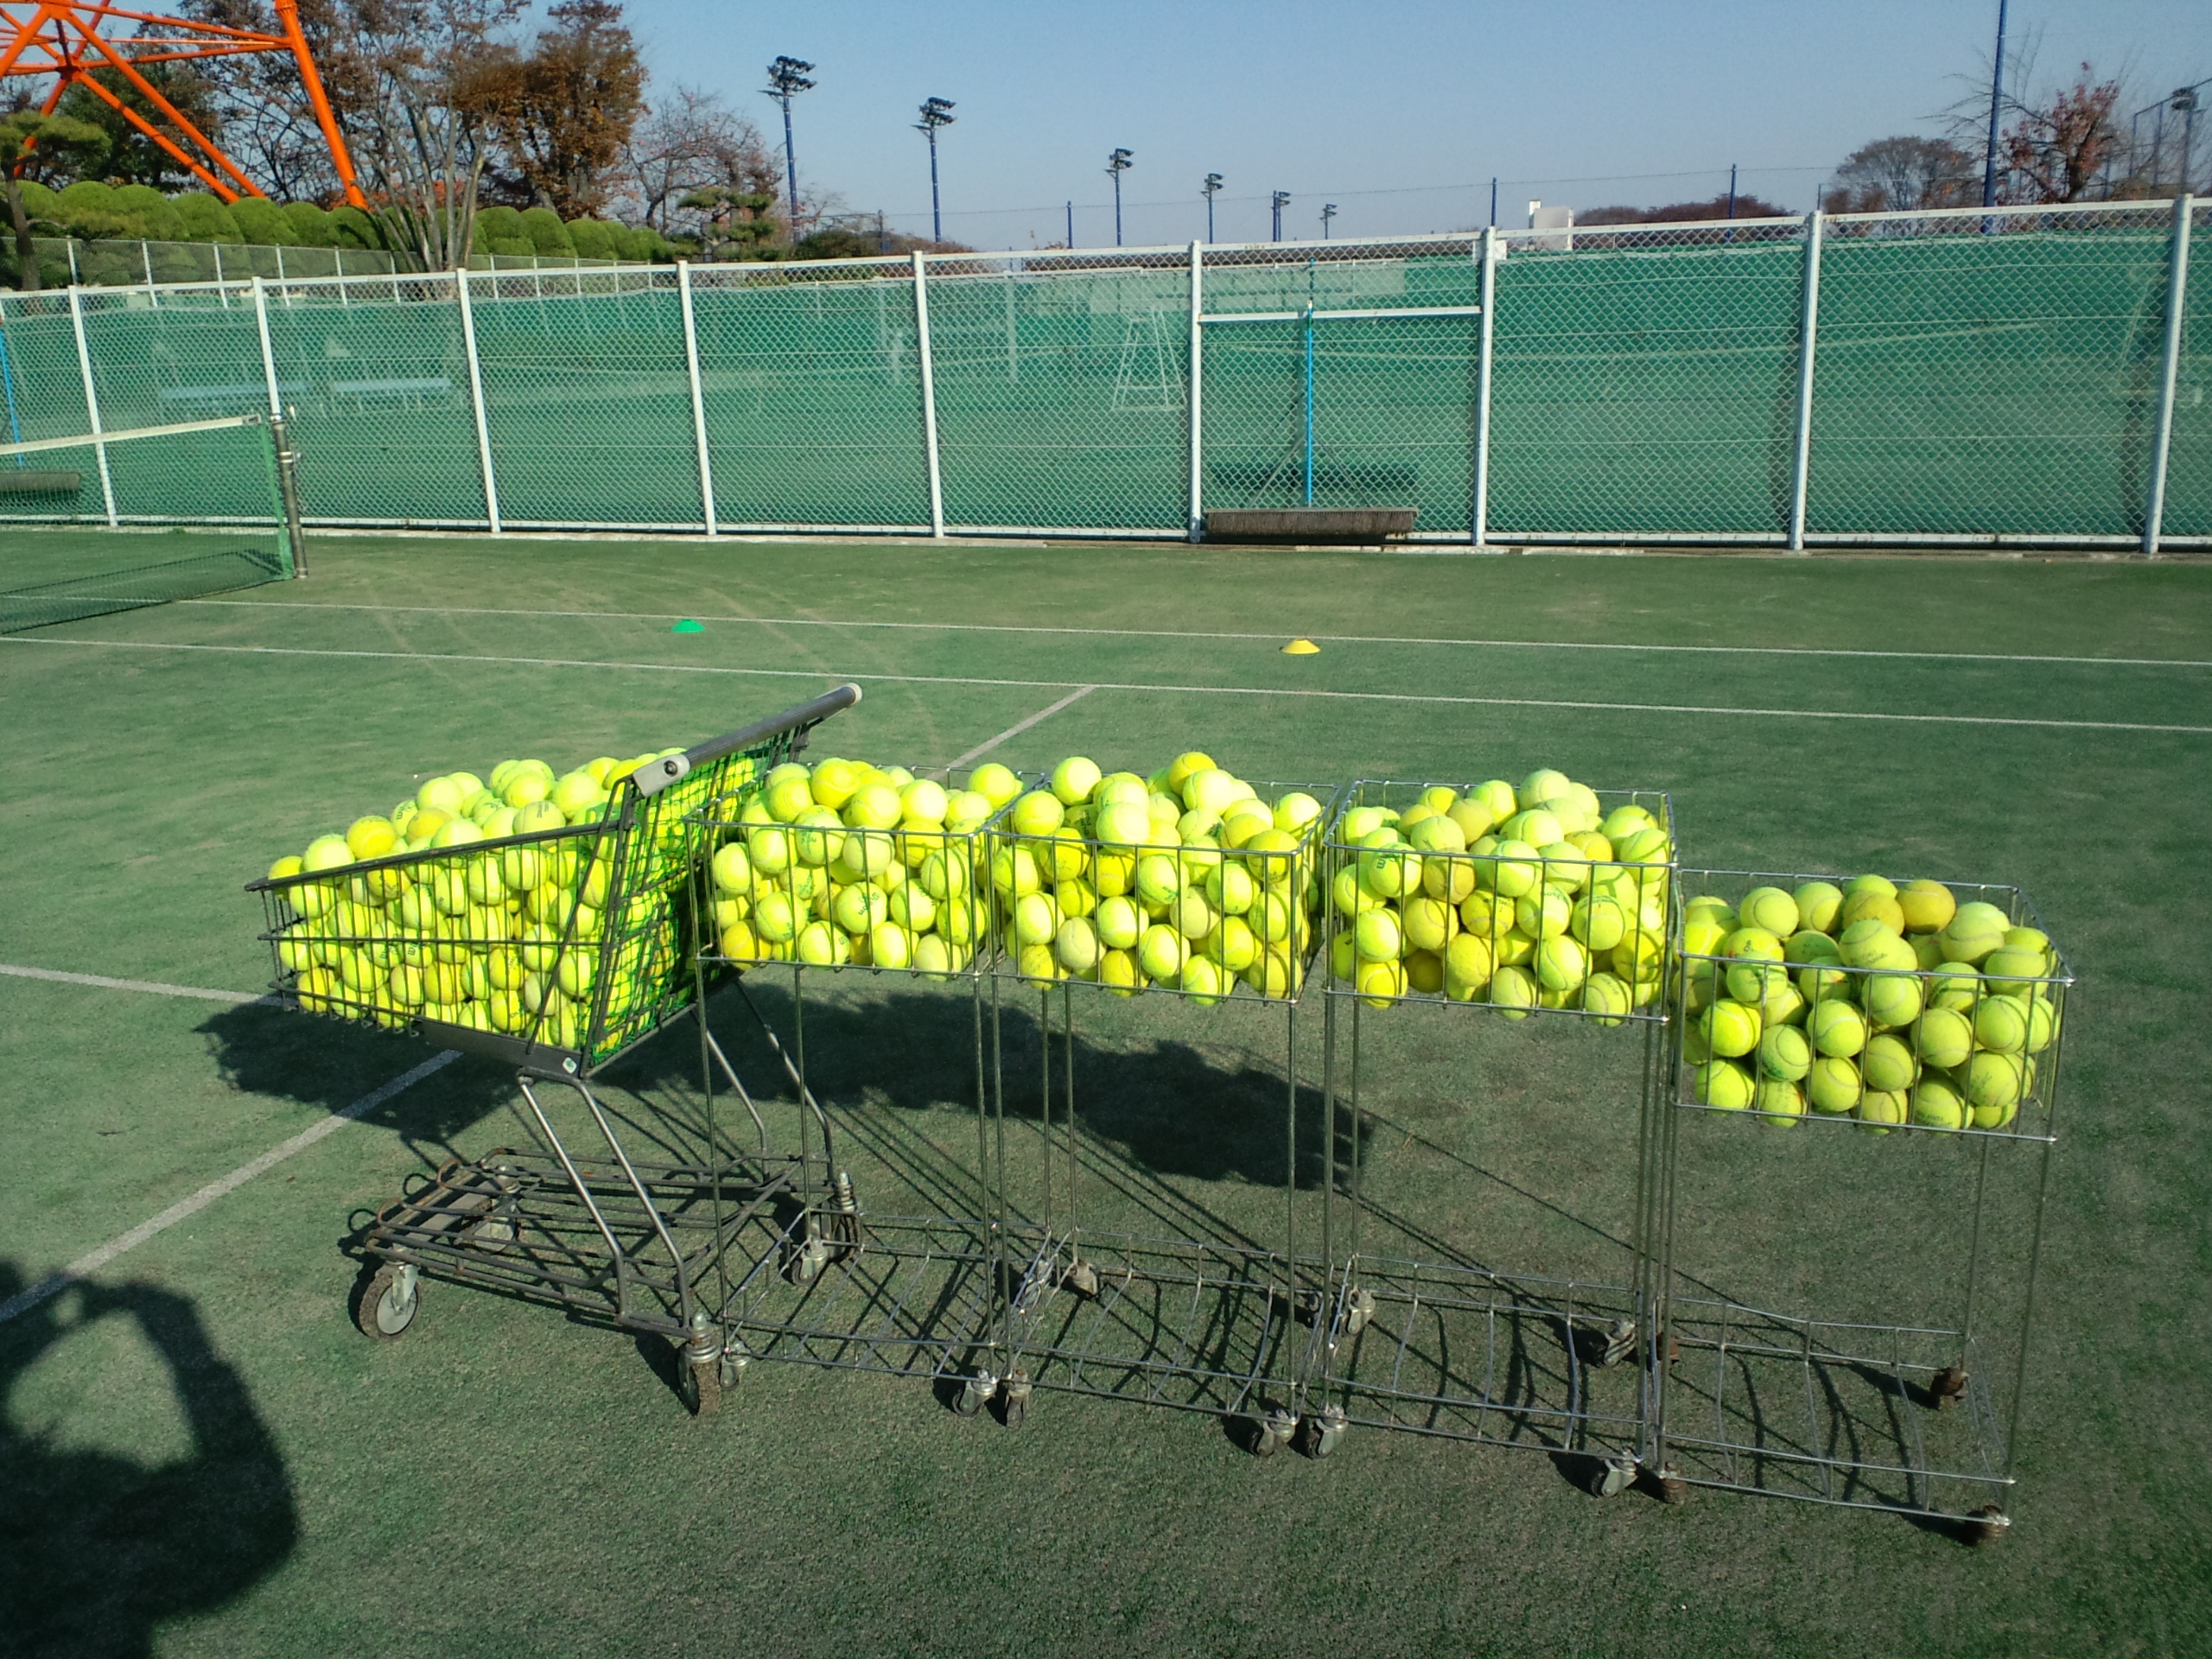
(651, 779)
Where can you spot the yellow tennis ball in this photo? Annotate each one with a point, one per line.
(1943, 1038)
(1927, 907)
(1771, 909)
(1820, 907)
(1725, 1084)
(1778, 1101)
(1937, 1105)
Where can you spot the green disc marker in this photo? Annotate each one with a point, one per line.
(688, 626)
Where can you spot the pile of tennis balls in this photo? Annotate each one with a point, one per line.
(1185, 880)
(1519, 898)
(848, 864)
(1890, 1004)
(503, 935)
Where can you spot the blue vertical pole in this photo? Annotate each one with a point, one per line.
(1309, 406)
(1493, 198)
(8, 379)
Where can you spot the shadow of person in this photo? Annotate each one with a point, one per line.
(99, 1548)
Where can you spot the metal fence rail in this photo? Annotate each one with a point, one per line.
(2018, 376)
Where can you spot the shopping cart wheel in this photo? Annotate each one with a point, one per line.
(702, 1387)
(389, 1301)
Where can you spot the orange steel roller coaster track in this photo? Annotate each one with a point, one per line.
(62, 38)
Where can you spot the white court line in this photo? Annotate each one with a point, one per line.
(1178, 633)
(24, 1300)
(1017, 728)
(156, 986)
(1132, 685)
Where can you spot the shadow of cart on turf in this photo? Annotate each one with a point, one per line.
(102, 1549)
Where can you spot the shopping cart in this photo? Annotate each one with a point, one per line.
(560, 952)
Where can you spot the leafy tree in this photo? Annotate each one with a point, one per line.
(2052, 152)
(733, 222)
(39, 144)
(562, 111)
(132, 157)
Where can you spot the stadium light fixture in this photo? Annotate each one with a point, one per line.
(1210, 189)
(787, 77)
(1282, 201)
(935, 112)
(1116, 164)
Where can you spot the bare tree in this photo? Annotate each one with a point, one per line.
(2053, 151)
(1903, 174)
(691, 144)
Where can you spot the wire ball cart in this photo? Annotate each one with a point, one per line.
(561, 951)
(1449, 900)
(1851, 1176)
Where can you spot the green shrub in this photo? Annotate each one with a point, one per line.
(311, 227)
(204, 217)
(351, 228)
(592, 238)
(262, 222)
(547, 234)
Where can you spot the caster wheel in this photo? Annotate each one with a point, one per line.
(1673, 1488)
(1082, 1278)
(702, 1387)
(1013, 1397)
(389, 1302)
(975, 1393)
(1359, 1308)
(1274, 1432)
(1619, 1343)
(1987, 1525)
(1616, 1474)
(1324, 1433)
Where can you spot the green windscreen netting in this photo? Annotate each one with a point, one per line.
(64, 556)
(1978, 375)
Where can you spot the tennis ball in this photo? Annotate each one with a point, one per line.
(1992, 1084)
(327, 853)
(1210, 791)
(1124, 823)
(1784, 1052)
(1229, 890)
(1598, 921)
(1428, 924)
(1833, 1085)
(1076, 945)
(1513, 870)
(1231, 944)
(1836, 1029)
(874, 806)
(1703, 937)
(1778, 1103)
(966, 811)
(1513, 991)
(2042, 1026)
(1869, 905)
(1436, 835)
(1377, 936)
(833, 782)
(1161, 953)
(1724, 1084)
(1608, 999)
(1943, 1038)
(1543, 914)
(1819, 905)
(1893, 1001)
(1937, 1105)
(1038, 962)
(1035, 921)
(994, 783)
(1974, 933)
(1731, 1028)
(2002, 1024)
(1771, 909)
(1425, 973)
(1560, 964)
(1157, 879)
(1119, 923)
(1467, 967)
(1038, 813)
(1880, 1109)
(1927, 905)
(1888, 1063)
(2012, 973)
(1193, 918)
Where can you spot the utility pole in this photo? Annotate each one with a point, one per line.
(935, 112)
(1493, 199)
(1328, 213)
(786, 78)
(1070, 227)
(1282, 201)
(1116, 164)
(1210, 189)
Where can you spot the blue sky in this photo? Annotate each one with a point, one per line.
(1398, 110)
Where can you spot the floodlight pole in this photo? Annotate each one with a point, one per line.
(787, 77)
(1210, 189)
(1328, 213)
(935, 112)
(1116, 164)
(1282, 201)
(1996, 108)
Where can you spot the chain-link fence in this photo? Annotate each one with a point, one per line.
(2007, 376)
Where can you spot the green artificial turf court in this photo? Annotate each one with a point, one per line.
(202, 1454)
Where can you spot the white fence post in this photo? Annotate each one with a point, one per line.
(2154, 510)
(1809, 334)
(1198, 525)
(268, 351)
(146, 253)
(476, 401)
(91, 400)
(929, 397)
(1480, 513)
(698, 396)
